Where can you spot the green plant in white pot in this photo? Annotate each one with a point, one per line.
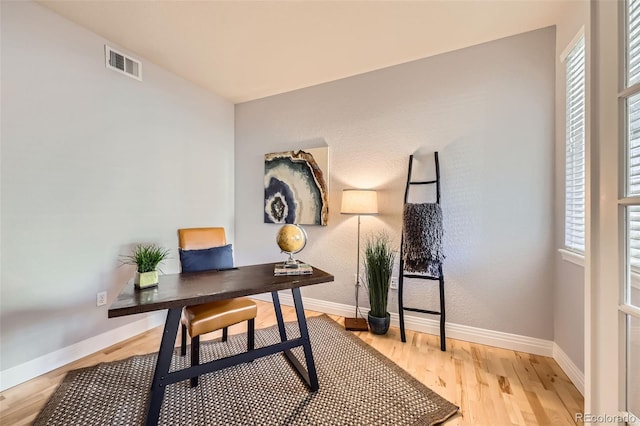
(379, 258)
(146, 258)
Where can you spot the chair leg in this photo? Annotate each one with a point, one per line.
(183, 341)
(195, 357)
(251, 328)
(225, 334)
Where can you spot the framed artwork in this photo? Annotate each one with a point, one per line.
(295, 187)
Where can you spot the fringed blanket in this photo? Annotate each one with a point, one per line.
(422, 238)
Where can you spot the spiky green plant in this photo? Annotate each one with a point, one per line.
(379, 257)
(147, 257)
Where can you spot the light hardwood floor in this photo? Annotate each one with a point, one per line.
(491, 386)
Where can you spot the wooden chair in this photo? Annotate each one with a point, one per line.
(207, 317)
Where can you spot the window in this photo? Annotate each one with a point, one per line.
(630, 306)
(631, 98)
(574, 223)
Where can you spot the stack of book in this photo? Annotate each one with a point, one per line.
(299, 269)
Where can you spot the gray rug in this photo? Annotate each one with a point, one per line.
(358, 386)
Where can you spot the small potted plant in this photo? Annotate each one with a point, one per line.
(146, 258)
(378, 261)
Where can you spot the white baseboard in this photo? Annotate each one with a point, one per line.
(430, 326)
(311, 304)
(28, 370)
(571, 370)
(467, 333)
(21, 373)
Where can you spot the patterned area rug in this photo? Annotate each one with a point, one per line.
(358, 386)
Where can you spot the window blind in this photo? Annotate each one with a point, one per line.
(574, 229)
(633, 42)
(633, 132)
(633, 102)
(633, 229)
(633, 138)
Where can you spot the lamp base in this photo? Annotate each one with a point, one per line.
(356, 324)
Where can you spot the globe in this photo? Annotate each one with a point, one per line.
(291, 239)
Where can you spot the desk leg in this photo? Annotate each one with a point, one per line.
(309, 376)
(278, 309)
(304, 334)
(163, 364)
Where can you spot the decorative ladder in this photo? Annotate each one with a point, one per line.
(403, 274)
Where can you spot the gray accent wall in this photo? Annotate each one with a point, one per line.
(93, 162)
(489, 111)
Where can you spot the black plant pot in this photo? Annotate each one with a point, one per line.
(379, 325)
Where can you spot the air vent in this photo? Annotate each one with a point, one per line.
(122, 63)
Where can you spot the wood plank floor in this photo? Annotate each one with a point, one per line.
(491, 386)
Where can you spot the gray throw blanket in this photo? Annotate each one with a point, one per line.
(422, 238)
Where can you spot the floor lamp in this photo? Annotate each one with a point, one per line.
(358, 201)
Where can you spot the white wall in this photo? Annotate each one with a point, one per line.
(604, 363)
(93, 162)
(568, 298)
(488, 109)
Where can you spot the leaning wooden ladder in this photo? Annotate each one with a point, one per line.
(403, 274)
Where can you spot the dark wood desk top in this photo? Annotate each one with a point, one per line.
(178, 290)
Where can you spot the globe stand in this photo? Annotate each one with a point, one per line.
(291, 263)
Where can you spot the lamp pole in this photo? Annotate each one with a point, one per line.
(358, 202)
(358, 268)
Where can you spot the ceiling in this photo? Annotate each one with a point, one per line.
(245, 50)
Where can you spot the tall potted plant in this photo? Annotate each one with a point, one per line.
(146, 258)
(378, 261)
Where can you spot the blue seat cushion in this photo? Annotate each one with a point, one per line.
(207, 259)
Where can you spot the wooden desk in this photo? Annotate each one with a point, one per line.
(178, 290)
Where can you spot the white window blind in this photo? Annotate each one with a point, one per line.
(633, 141)
(633, 42)
(633, 134)
(574, 223)
(633, 180)
(633, 230)
(633, 102)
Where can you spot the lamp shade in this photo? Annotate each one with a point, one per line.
(359, 201)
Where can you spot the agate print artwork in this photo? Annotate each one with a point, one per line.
(295, 187)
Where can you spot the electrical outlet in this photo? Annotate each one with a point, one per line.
(394, 284)
(101, 298)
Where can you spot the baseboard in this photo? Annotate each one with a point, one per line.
(23, 372)
(34, 368)
(311, 304)
(457, 331)
(430, 326)
(571, 370)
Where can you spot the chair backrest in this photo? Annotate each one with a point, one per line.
(201, 238)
